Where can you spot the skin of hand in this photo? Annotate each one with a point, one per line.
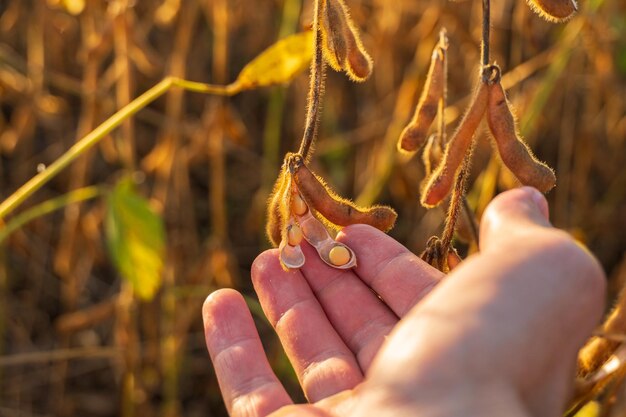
(498, 336)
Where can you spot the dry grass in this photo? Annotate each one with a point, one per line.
(73, 340)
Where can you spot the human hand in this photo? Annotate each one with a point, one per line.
(498, 336)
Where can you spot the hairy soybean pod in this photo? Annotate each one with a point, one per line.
(432, 154)
(359, 63)
(514, 152)
(342, 46)
(275, 220)
(414, 134)
(335, 209)
(441, 180)
(334, 27)
(554, 10)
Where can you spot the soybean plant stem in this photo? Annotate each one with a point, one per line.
(316, 88)
(486, 28)
(471, 220)
(443, 41)
(455, 205)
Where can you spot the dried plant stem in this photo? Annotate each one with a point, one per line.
(124, 86)
(471, 220)
(486, 28)
(217, 155)
(316, 88)
(44, 357)
(100, 132)
(4, 310)
(456, 202)
(441, 127)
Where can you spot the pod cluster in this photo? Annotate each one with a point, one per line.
(303, 207)
(490, 99)
(341, 43)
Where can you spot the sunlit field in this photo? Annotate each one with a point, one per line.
(121, 210)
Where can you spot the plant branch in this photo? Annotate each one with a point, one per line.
(455, 205)
(441, 128)
(486, 28)
(316, 88)
(47, 207)
(473, 225)
(96, 135)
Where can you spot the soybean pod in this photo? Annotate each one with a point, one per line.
(333, 208)
(275, 220)
(514, 152)
(554, 10)
(440, 182)
(414, 134)
(342, 46)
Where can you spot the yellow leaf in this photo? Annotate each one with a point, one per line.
(279, 63)
(74, 7)
(136, 239)
(591, 409)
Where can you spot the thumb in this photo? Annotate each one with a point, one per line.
(511, 214)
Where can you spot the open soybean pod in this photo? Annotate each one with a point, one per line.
(275, 221)
(414, 134)
(554, 10)
(342, 46)
(514, 152)
(440, 182)
(333, 208)
(333, 253)
(291, 255)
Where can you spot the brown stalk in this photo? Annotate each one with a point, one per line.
(124, 85)
(316, 87)
(459, 148)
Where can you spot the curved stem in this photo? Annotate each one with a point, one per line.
(96, 135)
(316, 88)
(82, 194)
(441, 129)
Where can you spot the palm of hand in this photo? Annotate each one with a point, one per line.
(329, 321)
(474, 337)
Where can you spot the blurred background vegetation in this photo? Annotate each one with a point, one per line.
(74, 337)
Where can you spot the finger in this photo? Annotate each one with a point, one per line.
(390, 269)
(519, 211)
(357, 314)
(322, 361)
(301, 410)
(514, 314)
(248, 385)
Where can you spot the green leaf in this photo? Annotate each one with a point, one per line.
(136, 239)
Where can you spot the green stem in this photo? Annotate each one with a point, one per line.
(47, 207)
(96, 135)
